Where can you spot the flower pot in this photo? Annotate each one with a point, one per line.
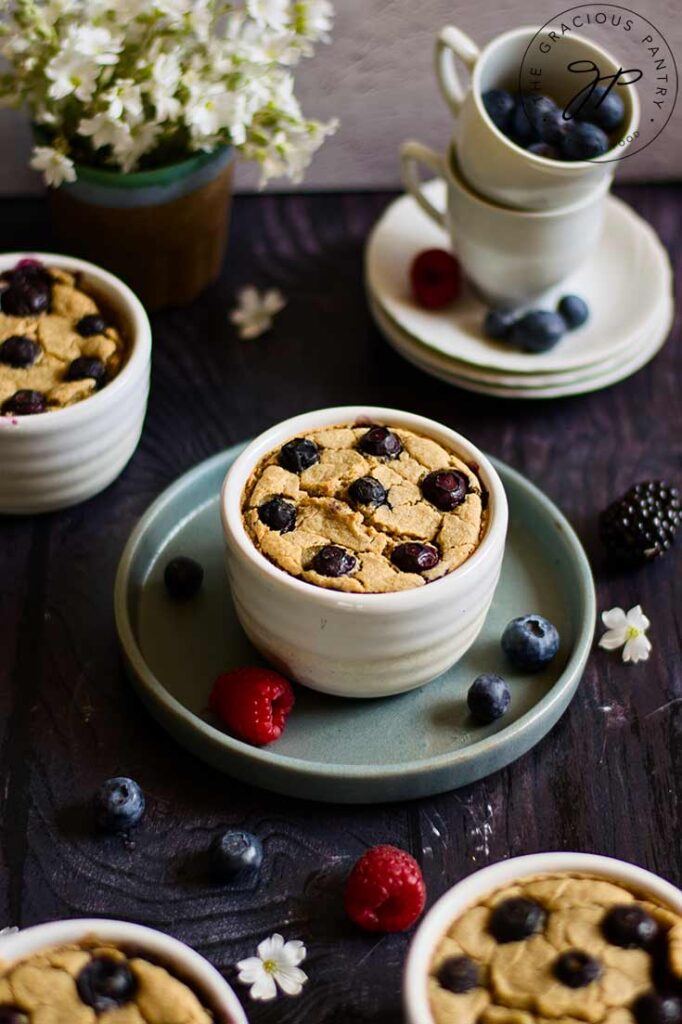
(164, 231)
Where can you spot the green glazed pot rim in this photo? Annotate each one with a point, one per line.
(145, 179)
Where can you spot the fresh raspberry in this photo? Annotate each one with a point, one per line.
(385, 891)
(436, 278)
(253, 703)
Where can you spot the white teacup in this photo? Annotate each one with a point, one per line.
(494, 165)
(510, 256)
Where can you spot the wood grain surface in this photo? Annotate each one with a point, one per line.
(607, 779)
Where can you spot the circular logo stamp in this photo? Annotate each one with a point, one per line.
(583, 55)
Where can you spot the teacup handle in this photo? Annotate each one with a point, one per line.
(411, 155)
(451, 43)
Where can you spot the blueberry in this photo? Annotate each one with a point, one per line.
(603, 107)
(278, 514)
(530, 642)
(24, 403)
(182, 577)
(12, 1015)
(574, 311)
(331, 560)
(445, 488)
(29, 291)
(87, 367)
(119, 804)
(106, 984)
(546, 119)
(652, 1008)
(381, 442)
(235, 856)
(498, 323)
(544, 149)
(499, 105)
(520, 127)
(90, 325)
(459, 974)
(576, 969)
(415, 557)
(584, 141)
(299, 454)
(19, 351)
(630, 927)
(488, 698)
(515, 919)
(538, 331)
(367, 491)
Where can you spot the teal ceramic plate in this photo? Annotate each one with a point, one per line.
(334, 749)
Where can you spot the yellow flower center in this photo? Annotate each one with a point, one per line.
(633, 632)
(270, 966)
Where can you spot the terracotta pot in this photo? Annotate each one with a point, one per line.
(164, 232)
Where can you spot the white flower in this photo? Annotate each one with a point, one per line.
(271, 13)
(314, 19)
(211, 109)
(56, 167)
(100, 129)
(276, 964)
(71, 74)
(96, 43)
(626, 631)
(254, 312)
(166, 75)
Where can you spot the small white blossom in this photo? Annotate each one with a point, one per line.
(56, 167)
(276, 964)
(626, 630)
(71, 74)
(96, 43)
(254, 312)
(270, 13)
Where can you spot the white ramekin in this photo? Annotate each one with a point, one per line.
(60, 458)
(360, 645)
(479, 885)
(210, 986)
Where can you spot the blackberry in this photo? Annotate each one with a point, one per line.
(641, 525)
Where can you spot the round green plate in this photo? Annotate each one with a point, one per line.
(349, 751)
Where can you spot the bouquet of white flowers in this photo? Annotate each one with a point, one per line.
(141, 84)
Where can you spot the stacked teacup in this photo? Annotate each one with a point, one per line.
(520, 219)
(521, 198)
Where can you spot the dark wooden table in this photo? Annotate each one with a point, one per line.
(607, 779)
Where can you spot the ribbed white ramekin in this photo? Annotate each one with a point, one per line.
(60, 458)
(483, 883)
(209, 986)
(360, 645)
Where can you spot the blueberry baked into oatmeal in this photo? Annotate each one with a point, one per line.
(90, 983)
(560, 950)
(56, 345)
(365, 509)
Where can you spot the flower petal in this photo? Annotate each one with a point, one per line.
(614, 618)
(291, 980)
(637, 649)
(614, 639)
(250, 969)
(269, 948)
(637, 619)
(274, 301)
(264, 988)
(295, 951)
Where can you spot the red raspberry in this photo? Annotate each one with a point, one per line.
(385, 891)
(253, 703)
(436, 278)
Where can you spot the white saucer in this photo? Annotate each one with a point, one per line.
(649, 340)
(645, 349)
(627, 284)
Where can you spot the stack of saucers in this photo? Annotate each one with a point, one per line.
(626, 282)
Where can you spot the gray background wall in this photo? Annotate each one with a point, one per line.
(377, 77)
